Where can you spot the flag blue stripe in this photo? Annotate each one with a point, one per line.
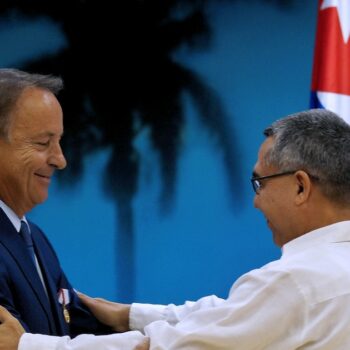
(314, 101)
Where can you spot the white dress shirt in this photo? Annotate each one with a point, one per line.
(301, 301)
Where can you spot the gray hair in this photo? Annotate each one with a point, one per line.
(12, 83)
(318, 142)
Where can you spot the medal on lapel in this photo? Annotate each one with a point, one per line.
(66, 314)
(63, 299)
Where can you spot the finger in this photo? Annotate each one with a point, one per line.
(85, 298)
(4, 315)
(89, 301)
(143, 346)
(81, 295)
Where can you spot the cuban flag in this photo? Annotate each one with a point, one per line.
(330, 86)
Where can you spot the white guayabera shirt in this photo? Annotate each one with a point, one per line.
(301, 301)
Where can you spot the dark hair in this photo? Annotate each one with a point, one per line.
(317, 141)
(13, 82)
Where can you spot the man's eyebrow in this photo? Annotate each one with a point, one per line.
(47, 133)
(255, 174)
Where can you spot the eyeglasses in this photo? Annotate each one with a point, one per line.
(256, 181)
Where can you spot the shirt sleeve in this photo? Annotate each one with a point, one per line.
(143, 314)
(265, 310)
(121, 341)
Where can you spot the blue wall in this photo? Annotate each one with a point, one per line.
(260, 63)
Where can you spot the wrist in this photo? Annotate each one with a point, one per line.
(122, 320)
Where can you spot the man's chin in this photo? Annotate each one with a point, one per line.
(41, 198)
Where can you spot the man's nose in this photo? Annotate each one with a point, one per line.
(57, 158)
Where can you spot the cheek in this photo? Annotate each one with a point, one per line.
(269, 206)
(30, 159)
(263, 200)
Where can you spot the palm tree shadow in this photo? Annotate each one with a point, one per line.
(118, 64)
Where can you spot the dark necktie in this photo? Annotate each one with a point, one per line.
(27, 237)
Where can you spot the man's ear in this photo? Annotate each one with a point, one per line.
(300, 188)
(303, 187)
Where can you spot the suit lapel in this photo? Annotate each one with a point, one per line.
(44, 260)
(11, 240)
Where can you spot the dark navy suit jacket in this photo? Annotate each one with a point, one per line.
(22, 292)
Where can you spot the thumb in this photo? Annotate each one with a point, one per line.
(89, 301)
(81, 295)
(4, 315)
(85, 298)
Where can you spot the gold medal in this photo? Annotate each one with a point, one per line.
(66, 314)
(62, 300)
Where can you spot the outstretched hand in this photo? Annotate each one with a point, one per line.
(111, 314)
(10, 330)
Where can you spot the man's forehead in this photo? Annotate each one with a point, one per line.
(267, 144)
(265, 147)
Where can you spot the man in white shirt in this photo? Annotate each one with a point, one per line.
(301, 301)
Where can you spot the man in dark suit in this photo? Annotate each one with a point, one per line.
(33, 286)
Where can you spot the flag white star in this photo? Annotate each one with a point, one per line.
(343, 8)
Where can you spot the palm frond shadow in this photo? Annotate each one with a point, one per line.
(120, 77)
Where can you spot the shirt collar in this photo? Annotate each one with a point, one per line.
(338, 232)
(16, 221)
